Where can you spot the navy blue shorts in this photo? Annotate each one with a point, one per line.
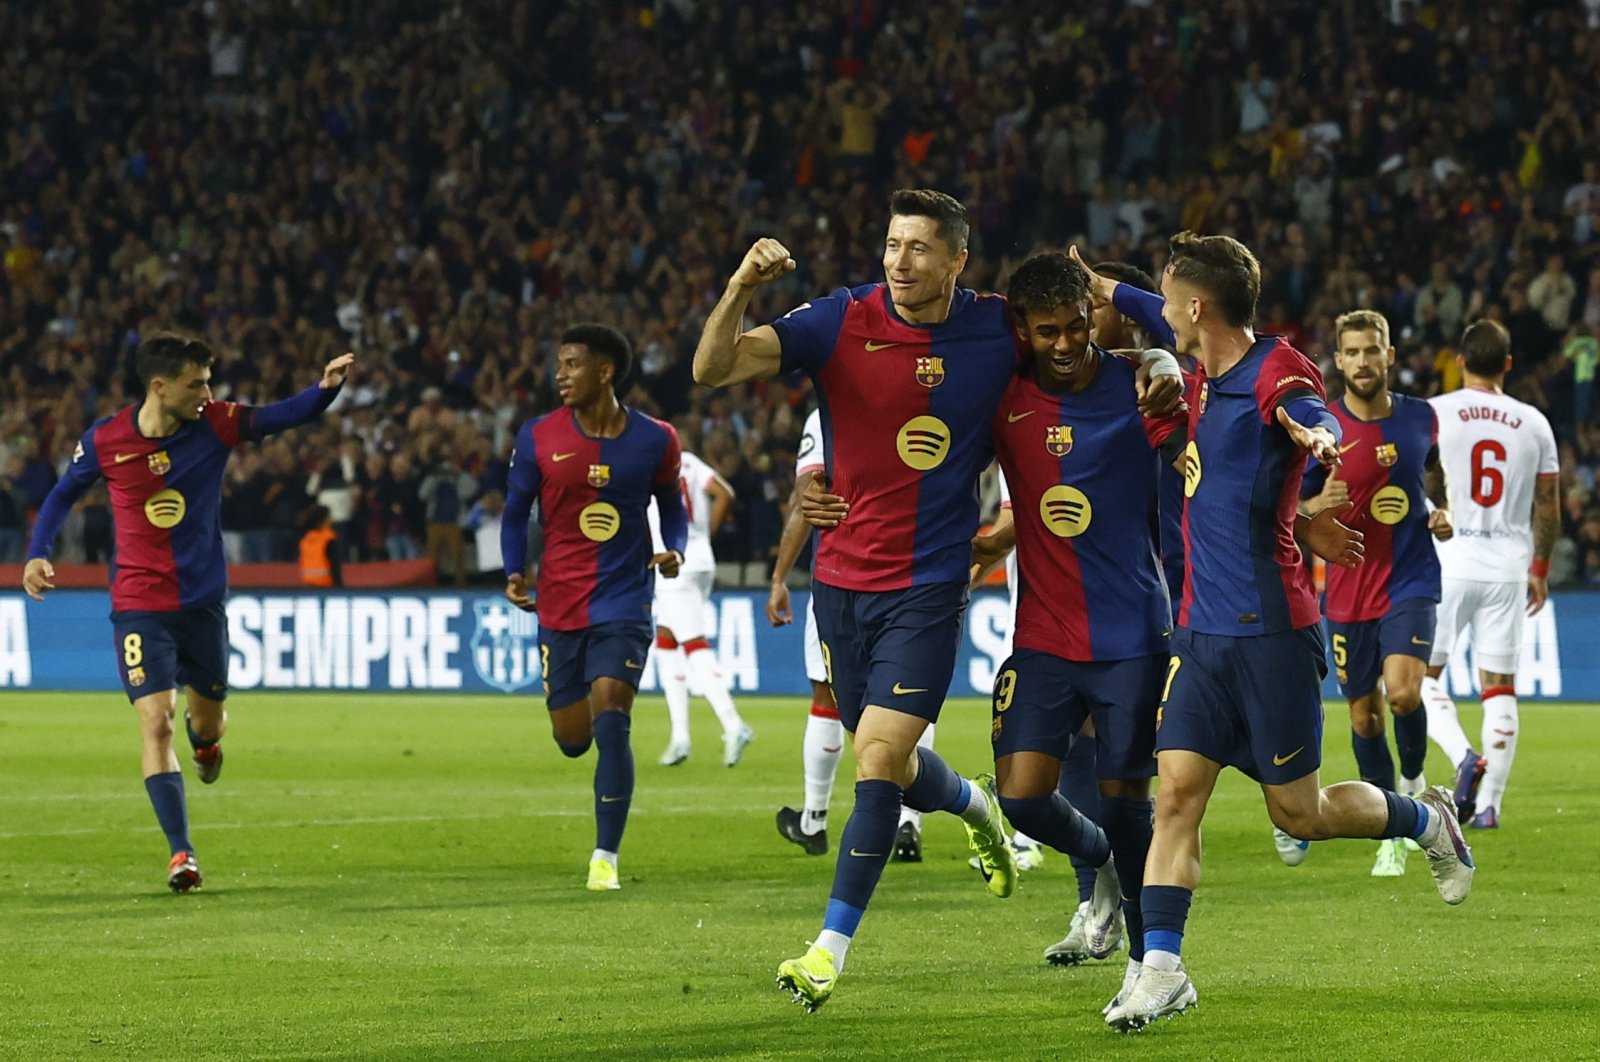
(1359, 649)
(159, 651)
(1041, 701)
(893, 648)
(1251, 703)
(572, 660)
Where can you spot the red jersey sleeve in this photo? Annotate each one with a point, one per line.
(227, 420)
(670, 470)
(1284, 373)
(1159, 429)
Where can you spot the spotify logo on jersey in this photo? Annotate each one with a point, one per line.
(1191, 469)
(599, 521)
(165, 508)
(1390, 505)
(1066, 511)
(923, 442)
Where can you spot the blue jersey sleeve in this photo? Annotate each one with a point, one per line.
(809, 332)
(522, 490)
(80, 476)
(1145, 310)
(1309, 411)
(292, 412)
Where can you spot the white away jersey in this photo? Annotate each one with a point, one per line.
(1493, 448)
(695, 481)
(809, 457)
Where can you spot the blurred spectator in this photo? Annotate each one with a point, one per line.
(319, 550)
(483, 520)
(444, 493)
(13, 513)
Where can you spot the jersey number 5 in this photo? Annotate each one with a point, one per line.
(1488, 480)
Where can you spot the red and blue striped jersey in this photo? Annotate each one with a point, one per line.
(1244, 574)
(1383, 463)
(1083, 471)
(593, 497)
(906, 413)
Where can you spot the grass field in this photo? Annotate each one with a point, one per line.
(401, 877)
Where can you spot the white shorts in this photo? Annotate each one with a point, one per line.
(1494, 612)
(816, 667)
(681, 604)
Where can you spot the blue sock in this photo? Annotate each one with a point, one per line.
(1081, 787)
(1053, 821)
(196, 742)
(1373, 759)
(1407, 817)
(1411, 741)
(864, 850)
(1166, 909)
(166, 796)
(937, 787)
(613, 778)
(1129, 826)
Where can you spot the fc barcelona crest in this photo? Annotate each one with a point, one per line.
(160, 463)
(1058, 439)
(1388, 454)
(599, 475)
(930, 371)
(1205, 393)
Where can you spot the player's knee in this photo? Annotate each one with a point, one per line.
(572, 750)
(1403, 700)
(1366, 721)
(878, 759)
(1030, 814)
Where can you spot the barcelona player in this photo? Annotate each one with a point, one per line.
(593, 466)
(1381, 613)
(163, 461)
(1243, 687)
(909, 373)
(1092, 614)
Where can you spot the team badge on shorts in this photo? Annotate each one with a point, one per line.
(1388, 454)
(930, 371)
(599, 475)
(160, 463)
(1058, 439)
(136, 676)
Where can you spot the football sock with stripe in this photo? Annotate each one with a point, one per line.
(938, 787)
(613, 778)
(864, 849)
(1166, 911)
(172, 812)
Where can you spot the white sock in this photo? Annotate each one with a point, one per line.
(836, 944)
(675, 688)
(1413, 786)
(1022, 840)
(1161, 960)
(1430, 832)
(977, 810)
(1444, 726)
(1500, 726)
(821, 749)
(601, 853)
(714, 685)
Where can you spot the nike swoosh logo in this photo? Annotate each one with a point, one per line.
(1347, 447)
(903, 690)
(882, 346)
(866, 855)
(563, 457)
(611, 800)
(117, 460)
(1279, 761)
(1012, 418)
(630, 663)
(1418, 641)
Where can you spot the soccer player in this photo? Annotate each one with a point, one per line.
(163, 461)
(1243, 687)
(1092, 615)
(681, 605)
(1381, 613)
(1503, 466)
(593, 467)
(909, 372)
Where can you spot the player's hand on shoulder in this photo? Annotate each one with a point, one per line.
(1439, 525)
(766, 260)
(779, 610)
(1334, 542)
(517, 593)
(335, 371)
(36, 576)
(820, 508)
(667, 563)
(1158, 394)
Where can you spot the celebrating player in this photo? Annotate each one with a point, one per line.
(1243, 687)
(681, 605)
(910, 372)
(1503, 466)
(1380, 613)
(593, 467)
(163, 461)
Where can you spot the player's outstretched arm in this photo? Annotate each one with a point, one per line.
(667, 489)
(1312, 426)
(725, 356)
(80, 475)
(522, 487)
(796, 532)
(1142, 306)
(304, 407)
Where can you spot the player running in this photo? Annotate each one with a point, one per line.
(163, 462)
(1243, 687)
(1381, 613)
(1501, 457)
(910, 372)
(681, 606)
(593, 467)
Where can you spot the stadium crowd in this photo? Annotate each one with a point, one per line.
(444, 189)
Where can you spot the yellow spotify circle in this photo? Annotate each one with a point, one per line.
(1191, 469)
(165, 508)
(599, 521)
(1066, 511)
(923, 442)
(1390, 505)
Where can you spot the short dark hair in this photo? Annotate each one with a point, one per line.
(949, 216)
(167, 354)
(1046, 281)
(1485, 346)
(606, 342)
(1224, 268)
(1129, 274)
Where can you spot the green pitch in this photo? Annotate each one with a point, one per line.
(402, 877)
